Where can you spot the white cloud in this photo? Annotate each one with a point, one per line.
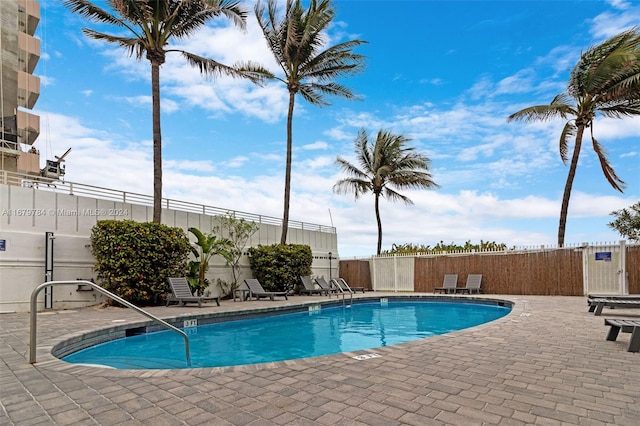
(315, 146)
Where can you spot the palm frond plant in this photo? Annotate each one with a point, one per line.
(309, 67)
(384, 166)
(606, 82)
(149, 28)
(207, 246)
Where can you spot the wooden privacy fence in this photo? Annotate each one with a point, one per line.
(537, 272)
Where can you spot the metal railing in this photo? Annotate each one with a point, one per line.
(80, 189)
(337, 285)
(33, 315)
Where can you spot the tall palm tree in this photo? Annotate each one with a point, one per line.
(309, 68)
(606, 81)
(151, 25)
(388, 164)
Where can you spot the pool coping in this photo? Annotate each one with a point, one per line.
(48, 354)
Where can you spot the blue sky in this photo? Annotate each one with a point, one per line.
(447, 74)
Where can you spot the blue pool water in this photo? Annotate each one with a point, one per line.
(291, 336)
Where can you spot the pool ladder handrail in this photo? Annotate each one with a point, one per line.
(33, 315)
(334, 283)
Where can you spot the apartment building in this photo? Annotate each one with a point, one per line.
(19, 88)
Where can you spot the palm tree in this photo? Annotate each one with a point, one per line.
(388, 164)
(152, 24)
(298, 45)
(606, 80)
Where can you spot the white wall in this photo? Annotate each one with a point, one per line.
(26, 214)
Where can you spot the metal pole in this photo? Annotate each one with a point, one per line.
(48, 268)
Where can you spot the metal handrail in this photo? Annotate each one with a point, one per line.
(33, 317)
(339, 287)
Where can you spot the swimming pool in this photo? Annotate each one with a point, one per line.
(320, 330)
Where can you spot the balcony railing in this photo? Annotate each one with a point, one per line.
(79, 189)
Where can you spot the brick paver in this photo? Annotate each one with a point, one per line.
(545, 363)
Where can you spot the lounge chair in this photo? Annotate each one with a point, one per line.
(181, 293)
(323, 284)
(473, 284)
(449, 285)
(256, 290)
(597, 303)
(627, 326)
(341, 283)
(310, 288)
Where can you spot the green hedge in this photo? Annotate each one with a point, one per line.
(278, 267)
(134, 260)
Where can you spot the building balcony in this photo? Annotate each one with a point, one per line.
(29, 15)
(28, 127)
(29, 163)
(28, 89)
(29, 52)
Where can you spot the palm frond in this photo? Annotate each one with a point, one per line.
(348, 185)
(335, 61)
(542, 112)
(568, 131)
(602, 65)
(92, 12)
(189, 16)
(318, 92)
(392, 195)
(609, 172)
(212, 68)
(350, 169)
(133, 45)
(254, 71)
(628, 109)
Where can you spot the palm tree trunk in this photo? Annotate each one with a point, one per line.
(157, 144)
(567, 188)
(379, 224)
(287, 176)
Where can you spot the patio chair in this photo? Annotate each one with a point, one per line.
(449, 285)
(310, 288)
(597, 303)
(627, 326)
(340, 282)
(256, 290)
(181, 293)
(323, 284)
(473, 284)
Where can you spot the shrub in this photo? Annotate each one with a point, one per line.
(278, 267)
(134, 260)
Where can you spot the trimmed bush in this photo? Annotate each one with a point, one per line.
(134, 260)
(278, 267)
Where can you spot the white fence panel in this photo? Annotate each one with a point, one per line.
(394, 273)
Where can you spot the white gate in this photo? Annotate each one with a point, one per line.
(394, 273)
(604, 269)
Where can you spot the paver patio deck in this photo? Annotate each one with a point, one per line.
(546, 363)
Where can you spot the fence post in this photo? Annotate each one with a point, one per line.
(395, 273)
(622, 272)
(373, 273)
